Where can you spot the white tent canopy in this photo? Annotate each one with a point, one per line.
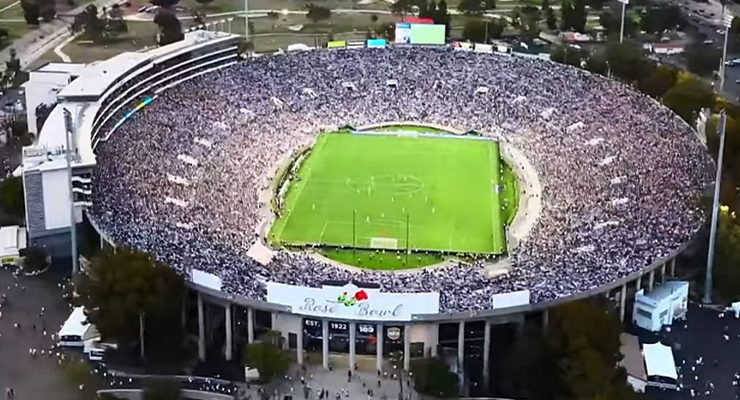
(659, 361)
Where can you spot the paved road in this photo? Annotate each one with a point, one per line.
(39, 377)
(707, 349)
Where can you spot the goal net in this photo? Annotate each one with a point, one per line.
(384, 243)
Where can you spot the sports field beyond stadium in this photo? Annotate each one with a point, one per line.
(375, 191)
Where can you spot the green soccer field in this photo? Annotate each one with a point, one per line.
(375, 191)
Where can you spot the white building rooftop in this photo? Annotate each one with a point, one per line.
(12, 240)
(100, 76)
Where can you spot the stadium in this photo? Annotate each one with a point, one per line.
(343, 196)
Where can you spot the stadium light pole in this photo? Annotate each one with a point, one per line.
(709, 279)
(722, 67)
(621, 26)
(69, 128)
(246, 18)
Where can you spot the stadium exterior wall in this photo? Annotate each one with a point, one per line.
(420, 326)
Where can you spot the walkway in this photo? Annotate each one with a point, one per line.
(32, 377)
(39, 41)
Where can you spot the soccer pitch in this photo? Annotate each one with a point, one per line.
(375, 191)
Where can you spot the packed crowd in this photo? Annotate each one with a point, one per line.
(620, 174)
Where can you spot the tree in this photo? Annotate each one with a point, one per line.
(114, 22)
(164, 3)
(584, 336)
(317, 13)
(31, 12)
(660, 18)
(88, 23)
(204, 2)
(433, 377)
(170, 29)
(12, 202)
(13, 65)
(123, 289)
(626, 60)
(659, 81)
(701, 59)
(566, 55)
(35, 259)
(688, 96)
(532, 369)
(596, 63)
(402, 8)
(475, 7)
(267, 356)
(481, 31)
(374, 18)
(162, 389)
(530, 20)
(573, 13)
(550, 19)
(47, 9)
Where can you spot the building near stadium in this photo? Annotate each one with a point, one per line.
(349, 322)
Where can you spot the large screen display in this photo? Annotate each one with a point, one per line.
(403, 33)
(427, 34)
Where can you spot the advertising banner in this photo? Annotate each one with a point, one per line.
(336, 44)
(376, 43)
(483, 48)
(510, 299)
(351, 302)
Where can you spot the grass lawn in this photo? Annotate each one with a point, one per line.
(140, 35)
(16, 29)
(441, 188)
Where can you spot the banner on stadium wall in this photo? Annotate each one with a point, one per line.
(377, 43)
(355, 45)
(403, 33)
(351, 302)
(510, 299)
(337, 44)
(483, 48)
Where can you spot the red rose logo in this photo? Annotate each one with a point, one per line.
(361, 295)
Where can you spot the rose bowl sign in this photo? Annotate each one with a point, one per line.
(351, 302)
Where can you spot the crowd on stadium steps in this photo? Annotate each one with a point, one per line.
(620, 174)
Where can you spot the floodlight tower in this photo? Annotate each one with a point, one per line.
(621, 26)
(722, 122)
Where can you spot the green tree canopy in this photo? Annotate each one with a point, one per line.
(12, 202)
(660, 81)
(688, 96)
(573, 15)
(475, 7)
(596, 63)
(433, 377)
(550, 19)
(702, 60)
(566, 55)
(123, 285)
(585, 338)
(267, 356)
(660, 18)
(626, 60)
(31, 12)
(317, 13)
(170, 28)
(162, 389)
(476, 30)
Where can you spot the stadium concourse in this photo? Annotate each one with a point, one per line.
(620, 174)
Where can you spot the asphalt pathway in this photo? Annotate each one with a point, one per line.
(32, 377)
(707, 350)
